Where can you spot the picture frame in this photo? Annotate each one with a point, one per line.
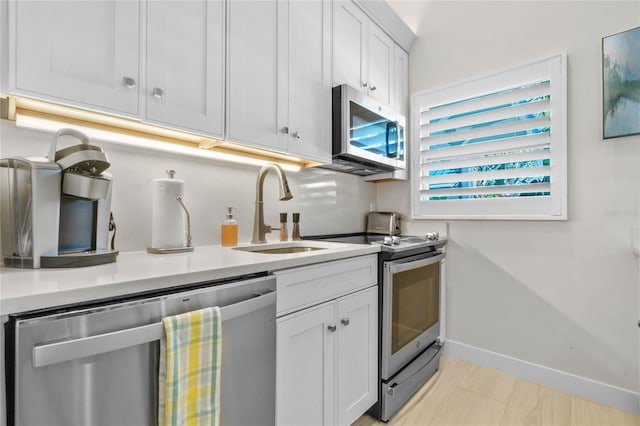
(621, 84)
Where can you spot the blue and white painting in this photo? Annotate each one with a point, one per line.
(621, 84)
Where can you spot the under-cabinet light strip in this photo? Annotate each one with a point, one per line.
(29, 121)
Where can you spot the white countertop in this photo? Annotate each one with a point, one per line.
(28, 289)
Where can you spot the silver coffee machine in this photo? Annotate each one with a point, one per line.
(56, 212)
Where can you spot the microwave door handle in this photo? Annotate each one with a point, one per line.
(391, 125)
(407, 266)
(69, 350)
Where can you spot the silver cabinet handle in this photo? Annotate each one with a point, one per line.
(54, 353)
(364, 84)
(345, 321)
(372, 88)
(157, 93)
(129, 82)
(284, 130)
(296, 135)
(332, 328)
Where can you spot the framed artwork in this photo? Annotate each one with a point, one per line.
(621, 84)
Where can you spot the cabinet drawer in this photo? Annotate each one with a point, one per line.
(309, 285)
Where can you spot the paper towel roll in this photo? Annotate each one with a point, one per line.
(167, 221)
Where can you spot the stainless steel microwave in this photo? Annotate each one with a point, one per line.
(368, 136)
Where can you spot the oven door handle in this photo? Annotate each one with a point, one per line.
(406, 266)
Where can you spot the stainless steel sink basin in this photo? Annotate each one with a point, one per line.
(286, 250)
(280, 248)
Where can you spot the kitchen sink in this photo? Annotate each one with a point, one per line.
(286, 248)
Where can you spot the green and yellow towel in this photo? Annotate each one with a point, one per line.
(189, 373)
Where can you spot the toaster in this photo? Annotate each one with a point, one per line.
(387, 223)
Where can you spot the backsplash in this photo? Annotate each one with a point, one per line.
(328, 202)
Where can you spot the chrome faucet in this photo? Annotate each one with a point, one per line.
(259, 228)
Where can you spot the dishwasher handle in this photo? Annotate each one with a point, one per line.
(69, 350)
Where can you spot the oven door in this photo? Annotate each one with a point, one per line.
(410, 310)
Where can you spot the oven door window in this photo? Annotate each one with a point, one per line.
(415, 304)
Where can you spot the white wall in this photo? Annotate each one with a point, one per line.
(4, 46)
(328, 202)
(559, 294)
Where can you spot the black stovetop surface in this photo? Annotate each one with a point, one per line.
(406, 243)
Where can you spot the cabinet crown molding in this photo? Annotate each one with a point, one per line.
(383, 15)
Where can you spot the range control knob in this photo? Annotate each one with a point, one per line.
(432, 236)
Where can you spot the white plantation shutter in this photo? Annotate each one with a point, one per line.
(493, 147)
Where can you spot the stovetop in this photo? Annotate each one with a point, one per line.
(388, 243)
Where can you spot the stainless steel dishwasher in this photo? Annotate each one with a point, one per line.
(98, 364)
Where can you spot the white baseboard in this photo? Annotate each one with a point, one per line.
(603, 393)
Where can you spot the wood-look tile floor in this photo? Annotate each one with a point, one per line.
(462, 393)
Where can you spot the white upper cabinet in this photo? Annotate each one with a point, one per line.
(309, 68)
(78, 52)
(362, 52)
(254, 107)
(185, 65)
(279, 86)
(257, 72)
(380, 64)
(349, 45)
(400, 88)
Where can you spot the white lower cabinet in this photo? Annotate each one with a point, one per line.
(327, 354)
(305, 367)
(3, 400)
(357, 360)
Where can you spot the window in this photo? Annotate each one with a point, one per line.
(493, 147)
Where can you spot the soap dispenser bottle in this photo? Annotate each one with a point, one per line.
(229, 230)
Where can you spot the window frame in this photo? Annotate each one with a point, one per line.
(553, 207)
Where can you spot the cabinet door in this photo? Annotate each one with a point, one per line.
(305, 354)
(349, 44)
(310, 80)
(253, 93)
(79, 52)
(400, 90)
(185, 60)
(380, 64)
(357, 354)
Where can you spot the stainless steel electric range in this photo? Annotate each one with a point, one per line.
(410, 273)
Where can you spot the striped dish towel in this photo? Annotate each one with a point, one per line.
(189, 373)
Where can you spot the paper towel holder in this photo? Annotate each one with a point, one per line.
(184, 249)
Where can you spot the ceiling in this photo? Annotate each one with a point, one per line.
(410, 11)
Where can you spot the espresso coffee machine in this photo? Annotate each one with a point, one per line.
(56, 212)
